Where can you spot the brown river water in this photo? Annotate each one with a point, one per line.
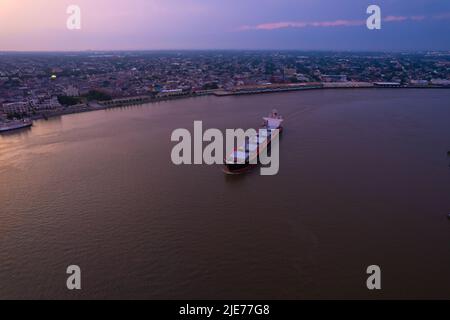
(364, 180)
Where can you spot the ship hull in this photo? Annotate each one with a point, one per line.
(241, 168)
(233, 169)
(16, 127)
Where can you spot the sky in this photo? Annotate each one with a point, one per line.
(407, 25)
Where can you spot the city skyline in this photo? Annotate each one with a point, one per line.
(207, 25)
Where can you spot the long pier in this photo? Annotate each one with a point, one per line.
(265, 90)
(126, 101)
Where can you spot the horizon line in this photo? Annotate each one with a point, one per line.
(227, 49)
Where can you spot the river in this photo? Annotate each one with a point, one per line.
(364, 180)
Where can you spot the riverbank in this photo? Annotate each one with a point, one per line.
(104, 105)
(248, 90)
(319, 86)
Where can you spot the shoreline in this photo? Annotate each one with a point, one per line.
(140, 100)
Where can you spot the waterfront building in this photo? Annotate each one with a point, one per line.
(419, 82)
(348, 84)
(19, 107)
(334, 78)
(171, 93)
(46, 104)
(440, 82)
(387, 84)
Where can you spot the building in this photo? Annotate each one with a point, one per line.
(20, 107)
(46, 104)
(290, 72)
(72, 91)
(302, 78)
(387, 84)
(334, 78)
(349, 84)
(171, 93)
(440, 82)
(419, 82)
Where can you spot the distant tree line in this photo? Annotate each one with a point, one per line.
(210, 86)
(97, 95)
(68, 101)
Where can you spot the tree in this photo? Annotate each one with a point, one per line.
(68, 101)
(210, 86)
(98, 95)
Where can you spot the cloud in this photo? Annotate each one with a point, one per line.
(442, 16)
(395, 18)
(303, 24)
(418, 18)
(335, 23)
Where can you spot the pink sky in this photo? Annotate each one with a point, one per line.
(229, 24)
(28, 24)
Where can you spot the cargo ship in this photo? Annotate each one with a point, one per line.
(247, 155)
(15, 125)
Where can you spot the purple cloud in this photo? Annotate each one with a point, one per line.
(442, 16)
(303, 24)
(395, 19)
(335, 23)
